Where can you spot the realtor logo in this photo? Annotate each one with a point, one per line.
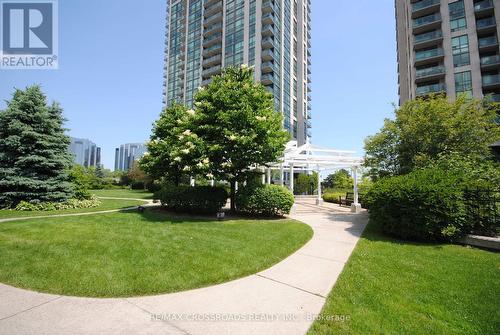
(28, 34)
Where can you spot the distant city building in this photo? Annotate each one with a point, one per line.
(85, 152)
(127, 153)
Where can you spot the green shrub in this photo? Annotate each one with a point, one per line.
(333, 196)
(268, 200)
(196, 199)
(93, 201)
(137, 185)
(422, 205)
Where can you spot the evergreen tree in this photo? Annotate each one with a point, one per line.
(34, 157)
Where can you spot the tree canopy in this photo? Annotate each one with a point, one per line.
(34, 157)
(238, 125)
(425, 129)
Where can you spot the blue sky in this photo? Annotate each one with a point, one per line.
(110, 73)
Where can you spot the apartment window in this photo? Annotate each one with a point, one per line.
(457, 16)
(463, 83)
(460, 47)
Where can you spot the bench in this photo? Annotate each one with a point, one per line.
(348, 200)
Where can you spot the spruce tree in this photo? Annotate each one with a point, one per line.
(34, 157)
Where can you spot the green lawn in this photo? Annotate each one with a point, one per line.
(392, 287)
(123, 193)
(106, 204)
(131, 254)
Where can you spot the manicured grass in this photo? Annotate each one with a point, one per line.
(394, 287)
(106, 204)
(131, 254)
(123, 193)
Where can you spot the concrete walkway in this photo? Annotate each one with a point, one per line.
(280, 300)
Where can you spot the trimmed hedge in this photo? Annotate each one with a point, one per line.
(193, 200)
(266, 200)
(333, 196)
(422, 205)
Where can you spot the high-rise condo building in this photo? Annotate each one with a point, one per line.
(127, 154)
(448, 46)
(204, 36)
(85, 152)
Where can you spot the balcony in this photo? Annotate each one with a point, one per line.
(267, 55)
(427, 39)
(429, 73)
(491, 80)
(211, 71)
(268, 6)
(483, 8)
(430, 89)
(212, 19)
(216, 28)
(267, 67)
(267, 30)
(268, 18)
(486, 25)
(267, 79)
(213, 8)
(428, 56)
(426, 23)
(490, 61)
(209, 2)
(211, 40)
(213, 50)
(206, 82)
(267, 43)
(424, 7)
(488, 43)
(217, 59)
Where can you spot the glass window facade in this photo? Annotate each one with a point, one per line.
(457, 16)
(193, 66)
(251, 32)
(235, 18)
(176, 53)
(463, 83)
(460, 47)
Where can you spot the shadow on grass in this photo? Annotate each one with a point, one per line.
(160, 214)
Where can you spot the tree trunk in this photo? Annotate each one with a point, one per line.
(233, 196)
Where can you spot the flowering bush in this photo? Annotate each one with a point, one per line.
(55, 206)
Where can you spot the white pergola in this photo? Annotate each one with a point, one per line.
(309, 158)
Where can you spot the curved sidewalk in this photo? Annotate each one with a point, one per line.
(280, 300)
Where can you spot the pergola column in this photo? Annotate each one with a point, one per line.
(291, 177)
(263, 176)
(282, 175)
(319, 200)
(355, 206)
(268, 176)
(192, 181)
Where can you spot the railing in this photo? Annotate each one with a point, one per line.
(432, 35)
(481, 5)
(487, 22)
(426, 54)
(424, 4)
(490, 60)
(487, 41)
(424, 20)
(482, 207)
(491, 79)
(427, 89)
(429, 71)
(212, 38)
